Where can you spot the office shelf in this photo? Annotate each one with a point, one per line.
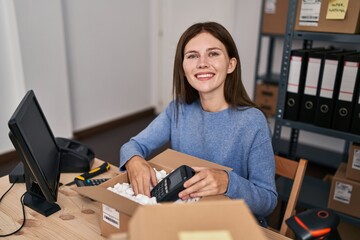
(320, 156)
(267, 102)
(328, 37)
(320, 130)
(314, 192)
(296, 127)
(272, 78)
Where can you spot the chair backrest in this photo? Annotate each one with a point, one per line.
(294, 170)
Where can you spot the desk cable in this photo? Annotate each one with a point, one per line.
(23, 210)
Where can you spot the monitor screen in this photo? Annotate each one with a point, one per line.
(36, 147)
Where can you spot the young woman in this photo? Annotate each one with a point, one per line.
(211, 117)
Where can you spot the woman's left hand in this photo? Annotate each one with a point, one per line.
(205, 182)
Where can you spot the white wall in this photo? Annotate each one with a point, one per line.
(108, 51)
(87, 61)
(12, 85)
(41, 35)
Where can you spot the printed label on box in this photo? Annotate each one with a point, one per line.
(342, 192)
(309, 13)
(270, 6)
(356, 160)
(111, 216)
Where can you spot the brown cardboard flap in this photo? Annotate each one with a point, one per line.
(165, 221)
(107, 197)
(173, 159)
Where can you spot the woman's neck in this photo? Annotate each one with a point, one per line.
(213, 104)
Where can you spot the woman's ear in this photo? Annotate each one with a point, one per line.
(232, 65)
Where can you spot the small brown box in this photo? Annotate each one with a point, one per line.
(274, 16)
(353, 166)
(318, 22)
(344, 193)
(266, 97)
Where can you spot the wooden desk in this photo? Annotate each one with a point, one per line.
(79, 217)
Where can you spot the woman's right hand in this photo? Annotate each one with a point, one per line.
(141, 175)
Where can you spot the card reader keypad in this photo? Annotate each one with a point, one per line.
(161, 190)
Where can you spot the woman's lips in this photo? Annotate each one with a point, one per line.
(204, 76)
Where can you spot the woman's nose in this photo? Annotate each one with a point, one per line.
(202, 62)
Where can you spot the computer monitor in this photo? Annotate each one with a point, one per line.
(36, 147)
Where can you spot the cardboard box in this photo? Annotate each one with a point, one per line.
(353, 166)
(312, 16)
(266, 97)
(344, 193)
(117, 210)
(231, 218)
(274, 16)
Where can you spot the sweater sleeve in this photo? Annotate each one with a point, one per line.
(258, 189)
(154, 136)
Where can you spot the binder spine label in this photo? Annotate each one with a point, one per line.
(294, 74)
(312, 76)
(329, 77)
(348, 81)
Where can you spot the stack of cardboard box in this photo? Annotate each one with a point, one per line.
(345, 187)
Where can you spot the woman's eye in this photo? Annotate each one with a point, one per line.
(191, 56)
(213, 54)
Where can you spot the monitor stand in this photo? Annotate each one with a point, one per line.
(40, 205)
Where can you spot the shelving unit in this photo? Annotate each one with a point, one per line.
(266, 83)
(291, 148)
(296, 127)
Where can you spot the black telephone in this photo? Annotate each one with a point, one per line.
(168, 189)
(75, 156)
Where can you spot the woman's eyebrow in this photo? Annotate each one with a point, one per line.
(214, 48)
(190, 51)
(209, 49)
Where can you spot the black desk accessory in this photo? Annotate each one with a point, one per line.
(315, 224)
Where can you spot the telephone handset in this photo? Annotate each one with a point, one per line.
(75, 156)
(168, 189)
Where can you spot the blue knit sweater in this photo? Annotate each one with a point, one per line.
(239, 139)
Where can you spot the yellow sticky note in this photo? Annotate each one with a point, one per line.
(205, 235)
(337, 9)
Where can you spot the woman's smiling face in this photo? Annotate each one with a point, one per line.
(206, 64)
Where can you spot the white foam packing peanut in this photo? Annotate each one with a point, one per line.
(125, 190)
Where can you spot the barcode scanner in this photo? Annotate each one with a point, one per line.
(315, 224)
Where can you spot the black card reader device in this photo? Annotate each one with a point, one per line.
(168, 189)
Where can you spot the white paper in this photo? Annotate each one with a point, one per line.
(328, 79)
(111, 216)
(309, 13)
(348, 81)
(356, 160)
(312, 76)
(270, 7)
(294, 74)
(342, 192)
